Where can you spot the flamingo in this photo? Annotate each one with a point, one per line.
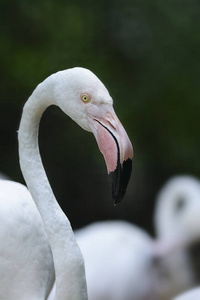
(123, 262)
(26, 263)
(119, 261)
(177, 219)
(34, 229)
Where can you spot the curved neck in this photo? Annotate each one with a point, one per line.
(68, 260)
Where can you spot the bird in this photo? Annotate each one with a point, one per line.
(26, 262)
(118, 261)
(122, 262)
(84, 98)
(177, 221)
(192, 294)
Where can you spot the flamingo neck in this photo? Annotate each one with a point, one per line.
(68, 260)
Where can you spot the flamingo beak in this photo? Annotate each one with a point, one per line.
(117, 150)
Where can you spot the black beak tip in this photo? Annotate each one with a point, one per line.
(119, 180)
(117, 200)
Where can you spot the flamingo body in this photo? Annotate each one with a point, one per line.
(119, 261)
(26, 263)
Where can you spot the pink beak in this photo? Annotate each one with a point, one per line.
(116, 148)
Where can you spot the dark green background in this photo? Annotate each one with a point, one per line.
(147, 53)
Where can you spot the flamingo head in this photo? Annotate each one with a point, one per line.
(82, 96)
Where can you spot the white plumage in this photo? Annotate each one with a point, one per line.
(26, 264)
(123, 262)
(177, 220)
(25, 254)
(118, 261)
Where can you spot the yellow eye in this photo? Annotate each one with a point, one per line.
(85, 98)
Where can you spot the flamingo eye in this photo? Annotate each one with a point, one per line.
(85, 98)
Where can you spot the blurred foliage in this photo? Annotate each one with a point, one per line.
(147, 54)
